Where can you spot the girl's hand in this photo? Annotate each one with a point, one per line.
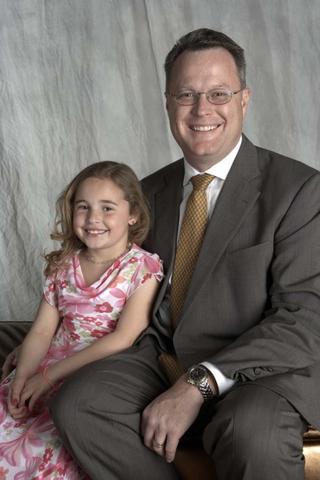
(18, 412)
(10, 362)
(34, 388)
(16, 409)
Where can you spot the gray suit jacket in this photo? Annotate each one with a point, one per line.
(253, 305)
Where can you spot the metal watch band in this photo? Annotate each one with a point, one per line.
(206, 390)
(202, 381)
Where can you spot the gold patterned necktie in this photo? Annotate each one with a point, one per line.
(190, 239)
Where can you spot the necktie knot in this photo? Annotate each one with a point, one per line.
(201, 182)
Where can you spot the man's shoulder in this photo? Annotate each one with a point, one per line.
(275, 163)
(170, 171)
(279, 161)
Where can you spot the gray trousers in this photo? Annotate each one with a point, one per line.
(252, 433)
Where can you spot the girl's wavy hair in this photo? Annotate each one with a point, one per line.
(125, 178)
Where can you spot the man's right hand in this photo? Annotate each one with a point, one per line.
(168, 417)
(10, 362)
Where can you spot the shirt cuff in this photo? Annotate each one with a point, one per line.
(224, 383)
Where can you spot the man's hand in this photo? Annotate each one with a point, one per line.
(169, 416)
(10, 362)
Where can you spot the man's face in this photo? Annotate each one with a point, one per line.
(205, 132)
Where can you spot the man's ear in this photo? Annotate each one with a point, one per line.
(167, 104)
(246, 93)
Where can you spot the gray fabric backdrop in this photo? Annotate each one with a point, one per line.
(82, 81)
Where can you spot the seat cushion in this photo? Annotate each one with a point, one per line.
(11, 335)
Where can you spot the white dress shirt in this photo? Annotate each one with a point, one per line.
(220, 172)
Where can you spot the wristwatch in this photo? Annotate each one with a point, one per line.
(198, 375)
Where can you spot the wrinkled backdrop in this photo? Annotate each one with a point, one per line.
(82, 81)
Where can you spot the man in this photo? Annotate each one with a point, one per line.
(248, 330)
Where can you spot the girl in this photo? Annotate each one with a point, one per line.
(97, 298)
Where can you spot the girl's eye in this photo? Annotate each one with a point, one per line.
(107, 209)
(81, 207)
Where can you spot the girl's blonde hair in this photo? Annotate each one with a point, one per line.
(125, 178)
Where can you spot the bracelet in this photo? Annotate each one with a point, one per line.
(43, 371)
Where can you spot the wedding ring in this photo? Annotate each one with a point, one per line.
(158, 445)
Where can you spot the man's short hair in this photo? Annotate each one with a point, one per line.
(202, 39)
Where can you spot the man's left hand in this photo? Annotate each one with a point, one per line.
(169, 416)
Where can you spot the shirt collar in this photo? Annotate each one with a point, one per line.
(219, 170)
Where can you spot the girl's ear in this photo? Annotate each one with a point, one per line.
(132, 221)
(133, 217)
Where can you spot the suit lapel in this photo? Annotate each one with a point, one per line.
(166, 212)
(167, 199)
(236, 199)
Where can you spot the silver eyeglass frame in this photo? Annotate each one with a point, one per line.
(196, 96)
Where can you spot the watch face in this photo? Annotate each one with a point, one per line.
(198, 374)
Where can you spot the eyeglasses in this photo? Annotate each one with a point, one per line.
(217, 96)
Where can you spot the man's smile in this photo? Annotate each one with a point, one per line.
(204, 128)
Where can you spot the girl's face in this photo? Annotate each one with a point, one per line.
(101, 217)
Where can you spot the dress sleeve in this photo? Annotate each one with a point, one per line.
(50, 291)
(148, 266)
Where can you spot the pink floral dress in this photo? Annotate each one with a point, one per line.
(30, 448)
